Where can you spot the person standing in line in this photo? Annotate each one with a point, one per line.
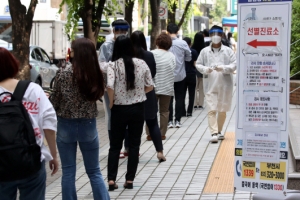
(231, 40)
(77, 88)
(44, 123)
(164, 79)
(140, 49)
(218, 62)
(198, 45)
(182, 53)
(120, 27)
(190, 79)
(207, 39)
(128, 81)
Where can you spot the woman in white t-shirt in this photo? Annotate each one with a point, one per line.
(232, 41)
(43, 119)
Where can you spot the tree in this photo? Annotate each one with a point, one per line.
(172, 6)
(219, 11)
(21, 30)
(295, 36)
(90, 11)
(129, 4)
(154, 5)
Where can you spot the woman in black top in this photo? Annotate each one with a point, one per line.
(151, 108)
(198, 45)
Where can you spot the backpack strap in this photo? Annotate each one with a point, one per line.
(20, 90)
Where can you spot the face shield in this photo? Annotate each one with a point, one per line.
(120, 30)
(215, 35)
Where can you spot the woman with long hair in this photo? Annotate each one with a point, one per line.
(198, 45)
(140, 49)
(128, 81)
(77, 88)
(232, 41)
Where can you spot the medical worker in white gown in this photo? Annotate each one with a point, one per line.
(217, 63)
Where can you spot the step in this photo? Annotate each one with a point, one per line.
(294, 129)
(293, 176)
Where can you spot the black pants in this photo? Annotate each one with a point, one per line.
(155, 133)
(121, 117)
(179, 101)
(190, 84)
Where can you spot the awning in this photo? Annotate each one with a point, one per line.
(230, 21)
(5, 18)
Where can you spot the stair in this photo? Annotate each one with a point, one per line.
(294, 151)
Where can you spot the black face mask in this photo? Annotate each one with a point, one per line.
(70, 59)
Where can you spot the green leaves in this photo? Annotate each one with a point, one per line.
(295, 36)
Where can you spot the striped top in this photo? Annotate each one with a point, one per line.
(164, 78)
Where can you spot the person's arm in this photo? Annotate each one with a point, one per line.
(111, 94)
(200, 64)
(148, 89)
(148, 80)
(56, 95)
(229, 68)
(187, 52)
(47, 115)
(50, 138)
(111, 84)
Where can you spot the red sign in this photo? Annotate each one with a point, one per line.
(255, 43)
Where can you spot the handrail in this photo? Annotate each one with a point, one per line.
(295, 74)
(295, 42)
(294, 90)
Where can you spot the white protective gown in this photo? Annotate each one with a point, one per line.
(218, 86)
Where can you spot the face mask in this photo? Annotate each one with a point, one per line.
(216, 39)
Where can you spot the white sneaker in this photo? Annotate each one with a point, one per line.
(170, 124)
(178, 124)
(220, 136)
(214, 138)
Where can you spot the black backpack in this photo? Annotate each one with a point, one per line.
(19, 153)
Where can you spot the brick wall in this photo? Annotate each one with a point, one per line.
(55, 4)
(295, 96)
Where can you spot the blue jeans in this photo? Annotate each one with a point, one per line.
(30, 188)
(82, 131)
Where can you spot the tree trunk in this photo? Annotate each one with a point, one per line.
(163, 24)
(155, 31)
(184, 13)
(87, 16)
(172, 12)
(129, 4)
(21, 30)
(99, 12)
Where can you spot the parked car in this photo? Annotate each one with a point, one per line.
(43, 70)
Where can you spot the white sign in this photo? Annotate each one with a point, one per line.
(261, 147)
(261, 110)
(262, 73)
(163, 10)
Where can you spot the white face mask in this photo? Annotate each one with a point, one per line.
(216, 39)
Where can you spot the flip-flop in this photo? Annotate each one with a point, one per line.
(121, 155)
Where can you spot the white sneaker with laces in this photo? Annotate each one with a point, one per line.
(178, 124)
(170, 124)
(220, 136)
(214, 138)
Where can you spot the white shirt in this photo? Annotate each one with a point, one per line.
(165, 66)
(41, 114)
(116, 80)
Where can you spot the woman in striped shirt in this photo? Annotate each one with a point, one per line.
(164, 78)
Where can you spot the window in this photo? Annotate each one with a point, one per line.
(38, 55)
(45, 56)
(43, 1)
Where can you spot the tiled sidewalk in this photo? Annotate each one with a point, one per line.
(183, 176)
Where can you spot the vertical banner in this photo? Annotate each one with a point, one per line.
(261, 147)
